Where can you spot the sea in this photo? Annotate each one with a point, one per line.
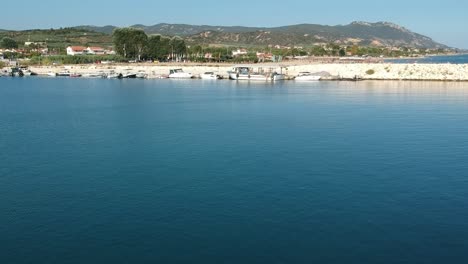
(449, 59)
(166, 171)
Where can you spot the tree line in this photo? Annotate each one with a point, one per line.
(132, 43)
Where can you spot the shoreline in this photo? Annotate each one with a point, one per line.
(364, 71)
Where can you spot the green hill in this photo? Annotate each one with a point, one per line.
(60, 38)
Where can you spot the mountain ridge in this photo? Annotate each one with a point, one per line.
(382, 33)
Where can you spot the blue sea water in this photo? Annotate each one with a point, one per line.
(452, 59)
(103, 171)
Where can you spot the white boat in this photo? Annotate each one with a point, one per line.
(257, 73)
(179, 74)
(27, 72)
(246, 73)
(114, 75)
(52, 74)
(63, 74)
(210, 76)
(129, 75)
(307, 76)
(141, 75)
(278, 77)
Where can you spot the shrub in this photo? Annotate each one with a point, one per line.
(370, 72)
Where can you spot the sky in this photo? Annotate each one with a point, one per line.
(444, 21)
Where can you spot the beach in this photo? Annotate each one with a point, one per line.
(364, 71)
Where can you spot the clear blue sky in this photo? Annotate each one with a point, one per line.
(444, 21)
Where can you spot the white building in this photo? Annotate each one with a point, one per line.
(239, 52)
(75, 50)
(95, 51)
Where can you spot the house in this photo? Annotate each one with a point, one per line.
(239, 52)
(110, 52)
(75, 50)
(261, 56)
(38, 44)
(95, 51)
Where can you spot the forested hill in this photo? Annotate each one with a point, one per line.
(382, 34)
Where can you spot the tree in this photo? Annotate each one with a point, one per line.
(130, 42)
(157, 47)
(8, 43)
(178, 48)
(342, 52)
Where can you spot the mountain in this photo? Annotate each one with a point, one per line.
(105, 29)
(361, 33)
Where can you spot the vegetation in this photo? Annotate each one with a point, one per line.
(215, 45)
(130, 42)
(58, 39)
(79, 59)
(135, 44)
(370, 72)
(8, 43)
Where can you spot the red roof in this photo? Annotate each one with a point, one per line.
(77, 48)
(96, 48)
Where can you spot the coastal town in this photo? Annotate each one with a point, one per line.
(131, 53)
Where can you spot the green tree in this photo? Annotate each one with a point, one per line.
(342, 52)
(157, 47)
(130, 42)
(8, 43)
(178, 48)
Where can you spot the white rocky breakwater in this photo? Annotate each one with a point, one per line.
(383, 71)
(452, 72)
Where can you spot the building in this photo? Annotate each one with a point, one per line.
(95, 51)
(239, 52)
(75, 50)
(79, 50)
(38, 44)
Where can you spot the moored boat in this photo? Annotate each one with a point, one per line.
(141, 75)
(246, 73)
(129, 75)
(63, 74)
(257, 73)
(179, 74)
(307, 76)
(210, 76)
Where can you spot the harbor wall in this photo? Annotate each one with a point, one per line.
(379, 71)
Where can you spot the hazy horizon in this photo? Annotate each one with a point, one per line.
(443, 22)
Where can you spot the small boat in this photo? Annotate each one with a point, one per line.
(63, 74)
(247, 73)
(75, 75)
(141, 75)
(307, 76)
(278, 76)
(114, 75)
(179, 74)
(210, 76)
(28, 72)
(129, 75)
